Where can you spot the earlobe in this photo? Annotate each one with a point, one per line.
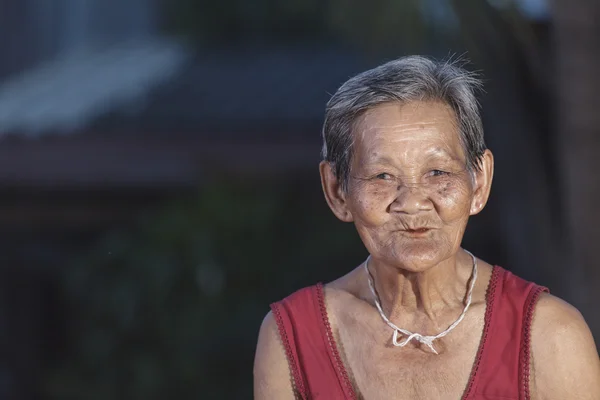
(347, 217)
(334, 193)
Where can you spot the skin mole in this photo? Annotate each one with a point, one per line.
(442, 191)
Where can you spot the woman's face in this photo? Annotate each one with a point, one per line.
(409, 192)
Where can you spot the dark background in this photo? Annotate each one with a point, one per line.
(159, 183)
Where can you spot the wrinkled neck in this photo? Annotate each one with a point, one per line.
(431, 293)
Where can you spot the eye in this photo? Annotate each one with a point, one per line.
(384, 176)
(437, 172)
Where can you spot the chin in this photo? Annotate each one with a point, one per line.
(419, 258)
(414, 266)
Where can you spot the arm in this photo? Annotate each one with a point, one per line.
(565, 362)
(272, 379)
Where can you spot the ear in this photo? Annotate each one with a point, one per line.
(334, 194)
(483, 183)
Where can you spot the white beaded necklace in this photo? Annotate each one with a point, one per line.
(424, 339)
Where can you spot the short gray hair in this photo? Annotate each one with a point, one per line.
(411, 78)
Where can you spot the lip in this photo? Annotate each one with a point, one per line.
(417, 231)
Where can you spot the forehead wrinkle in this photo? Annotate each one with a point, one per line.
(429, 145)
(413, 132)
(383, 155)
(375, 136)
(423, 110)
(370, 123)
(403, 124)
(386, 125)
(438, 128)
(428, 155)
(401, 127)
(440, 152)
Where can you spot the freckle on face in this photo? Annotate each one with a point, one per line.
(444, 190)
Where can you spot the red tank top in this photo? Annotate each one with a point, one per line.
(500, 372)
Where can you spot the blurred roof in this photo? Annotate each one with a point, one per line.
(156, 88)
(66, 94)
(252, 89)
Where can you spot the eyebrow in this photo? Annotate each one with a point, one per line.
(437, 153)
(382, 160)
(442, 155)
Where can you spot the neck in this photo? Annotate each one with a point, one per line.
(406, 296)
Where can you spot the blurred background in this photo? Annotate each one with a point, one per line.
(159, 183)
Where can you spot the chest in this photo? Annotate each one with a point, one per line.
(380, 370)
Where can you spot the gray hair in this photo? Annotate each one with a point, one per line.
(406, 79)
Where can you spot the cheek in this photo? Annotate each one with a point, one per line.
(453, 200)
(369, 204)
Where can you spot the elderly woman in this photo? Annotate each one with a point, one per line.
(421, 318)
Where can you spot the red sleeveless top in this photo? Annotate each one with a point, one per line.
(500, 372)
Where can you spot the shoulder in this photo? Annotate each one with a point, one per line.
(564, 359)
(557, 325)
(272, 377)
(268, 335)
(300, 299)
(347, 294)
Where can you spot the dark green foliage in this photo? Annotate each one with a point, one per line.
(172, 307)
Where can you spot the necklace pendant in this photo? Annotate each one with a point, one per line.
(395, 339)
(426, 340)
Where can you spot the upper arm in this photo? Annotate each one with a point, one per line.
(565, 362)
(272, 378)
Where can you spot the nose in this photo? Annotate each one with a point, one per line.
(411, 199)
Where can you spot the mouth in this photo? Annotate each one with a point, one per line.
(417, 231)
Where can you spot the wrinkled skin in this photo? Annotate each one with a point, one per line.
(408, 173)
